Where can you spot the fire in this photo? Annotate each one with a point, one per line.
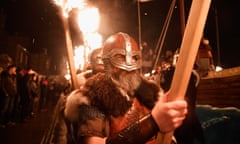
(68, 5)
(88, 21)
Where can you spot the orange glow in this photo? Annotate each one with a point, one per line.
(68, 5)
(88, 20)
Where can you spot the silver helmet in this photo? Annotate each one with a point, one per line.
(122, 51)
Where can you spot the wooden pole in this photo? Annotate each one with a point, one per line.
(164, 33)
(188, 51)
(70, 53)
(217, 35)
(182, 16)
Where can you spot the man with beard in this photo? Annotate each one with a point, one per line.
(120, 106)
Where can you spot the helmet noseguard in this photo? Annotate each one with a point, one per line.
(122, 51)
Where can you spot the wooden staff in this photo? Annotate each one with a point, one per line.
(188, 51)
(70, 53)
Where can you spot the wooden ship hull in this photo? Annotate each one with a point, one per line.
(220, 89)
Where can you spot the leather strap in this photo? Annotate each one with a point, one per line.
(137, 133)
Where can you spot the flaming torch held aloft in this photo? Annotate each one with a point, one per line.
(88, 21)
(65, 7)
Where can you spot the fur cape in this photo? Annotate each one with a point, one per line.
(105, 96)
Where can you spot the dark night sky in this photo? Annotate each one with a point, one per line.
(39, 20)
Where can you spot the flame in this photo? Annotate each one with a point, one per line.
(79, 58)
(88, 19)
(81, 52)
(68, 5)
(88, 22)
(94, 40)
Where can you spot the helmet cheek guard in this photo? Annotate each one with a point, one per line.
(122, 51)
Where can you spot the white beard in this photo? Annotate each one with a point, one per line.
(128, 82)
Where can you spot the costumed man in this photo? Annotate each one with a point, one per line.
(120, 106)
(96, 64)
(60, 133)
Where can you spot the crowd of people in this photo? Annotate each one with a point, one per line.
(23, 93)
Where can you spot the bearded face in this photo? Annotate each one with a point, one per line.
(126, 80)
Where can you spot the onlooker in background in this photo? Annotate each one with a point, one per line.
(147, 58)
(1, 100)
(10, 94)
(43, 94)
(34, 92)
(156, 74)
(204, 58)
(22, 79)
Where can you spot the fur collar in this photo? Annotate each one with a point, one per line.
(103, 94)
